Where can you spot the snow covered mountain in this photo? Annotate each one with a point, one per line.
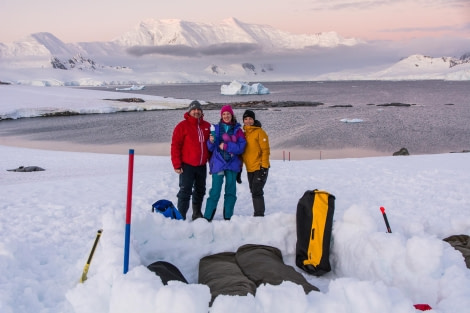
(419, 66)
(414, 67)
(177, 32)
(174, 50)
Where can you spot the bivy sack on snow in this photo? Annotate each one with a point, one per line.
(166, 271)
(314, 219)
(240, 273)
(264, 265)
(223, 276)
(167, 208)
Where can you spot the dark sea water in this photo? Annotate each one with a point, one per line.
(438, 121)
(330, 93)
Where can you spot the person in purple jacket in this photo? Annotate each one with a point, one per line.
(226, 143)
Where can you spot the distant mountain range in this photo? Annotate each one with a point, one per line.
(414, 67)
(181, 51)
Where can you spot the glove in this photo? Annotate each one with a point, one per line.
(226, 137)
(239, 177)
(263, 171)
(229, 138)
(261, 174)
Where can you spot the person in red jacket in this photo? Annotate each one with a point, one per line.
(189, 155)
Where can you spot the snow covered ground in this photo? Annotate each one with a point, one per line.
(49, 221)
(32, 101)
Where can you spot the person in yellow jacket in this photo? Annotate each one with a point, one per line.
(256, 159)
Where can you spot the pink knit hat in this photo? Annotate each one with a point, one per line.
(226, 108)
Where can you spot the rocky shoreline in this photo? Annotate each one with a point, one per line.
(255, 105)
(264, 104)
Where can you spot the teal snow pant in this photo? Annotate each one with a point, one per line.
(230, 196)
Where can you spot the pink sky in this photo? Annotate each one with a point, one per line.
(104, 20)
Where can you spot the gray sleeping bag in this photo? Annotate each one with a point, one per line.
(264, 265)
(242, 272)
(223, 276)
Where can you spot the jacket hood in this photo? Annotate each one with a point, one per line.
(191, 119)
(257, 124)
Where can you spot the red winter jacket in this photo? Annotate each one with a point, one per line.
(188, 144)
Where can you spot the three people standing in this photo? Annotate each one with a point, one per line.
(226, 146)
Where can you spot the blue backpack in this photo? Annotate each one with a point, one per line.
(167, 208)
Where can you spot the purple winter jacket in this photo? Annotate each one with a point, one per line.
(228, 158)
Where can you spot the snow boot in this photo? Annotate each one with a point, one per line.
(258, 205)
(197, 213)
(183, 207)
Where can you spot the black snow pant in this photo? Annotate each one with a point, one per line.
(256, 181)
(192, 183)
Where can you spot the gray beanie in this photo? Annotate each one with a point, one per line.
(194, 105)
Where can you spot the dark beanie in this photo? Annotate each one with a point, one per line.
(194, 105)
(249, 113)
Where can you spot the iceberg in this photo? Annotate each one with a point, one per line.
(239, 88)
(351, 120)
(133, 87)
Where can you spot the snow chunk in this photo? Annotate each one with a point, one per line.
(239, 88)
(133, 87)
(351, 120)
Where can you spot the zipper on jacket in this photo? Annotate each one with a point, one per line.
(201, 141)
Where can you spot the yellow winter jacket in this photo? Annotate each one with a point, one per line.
(257, 149)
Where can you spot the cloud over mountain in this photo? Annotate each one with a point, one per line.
(187, 51)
